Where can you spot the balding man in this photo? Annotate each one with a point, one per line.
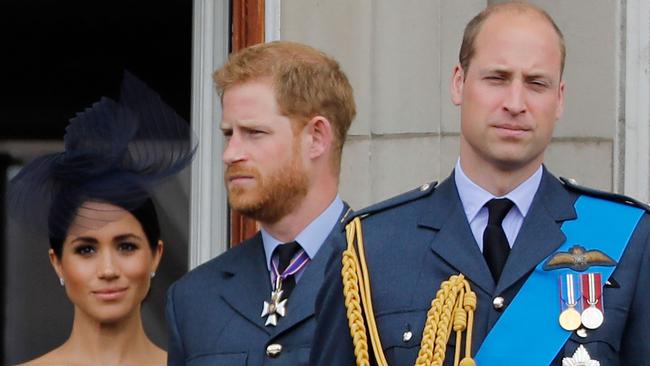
(501, 263)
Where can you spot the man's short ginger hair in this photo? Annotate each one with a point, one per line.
(307, 83)
(473, 28)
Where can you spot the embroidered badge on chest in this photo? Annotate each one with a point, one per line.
(578, 259)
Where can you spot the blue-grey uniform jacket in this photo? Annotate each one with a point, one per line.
(214, 311)
(417, 240)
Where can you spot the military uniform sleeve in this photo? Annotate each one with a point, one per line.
(175, 352)
(332, 343)
(634, 345)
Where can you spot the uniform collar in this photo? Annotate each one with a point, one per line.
(312, 237)
(475, 197)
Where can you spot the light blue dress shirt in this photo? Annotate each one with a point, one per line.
(474, 199)
(311, 238)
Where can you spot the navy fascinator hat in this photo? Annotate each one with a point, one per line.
(115, 152)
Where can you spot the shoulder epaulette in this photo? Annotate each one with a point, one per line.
(412, 195)
(572, 185)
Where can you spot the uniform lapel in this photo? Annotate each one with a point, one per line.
(540, 232)
(249, 284)
(454, 241)
(301, 304)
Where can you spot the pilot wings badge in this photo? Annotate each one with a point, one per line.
(578, 259)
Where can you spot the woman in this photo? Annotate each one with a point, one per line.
(104, 234)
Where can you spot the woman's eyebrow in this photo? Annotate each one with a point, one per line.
(85, 239)
(126, 236)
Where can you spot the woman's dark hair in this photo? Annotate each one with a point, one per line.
(144, 213)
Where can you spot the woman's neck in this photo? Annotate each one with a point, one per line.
(123, 342)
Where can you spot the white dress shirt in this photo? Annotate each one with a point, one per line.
(311, 238)
(474, 198)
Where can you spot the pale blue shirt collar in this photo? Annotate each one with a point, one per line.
(312, 237)
(475, 197)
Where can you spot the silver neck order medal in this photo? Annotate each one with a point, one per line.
(275, 307)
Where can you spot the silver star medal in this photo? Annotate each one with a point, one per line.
(274, 308)
(580, 358)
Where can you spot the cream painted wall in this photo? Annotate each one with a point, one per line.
(399, 57)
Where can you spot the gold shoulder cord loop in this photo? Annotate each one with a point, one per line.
(453, 308)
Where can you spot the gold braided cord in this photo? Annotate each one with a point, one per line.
(360, 268)
(366, 297)
(452, 309)
(353, 304)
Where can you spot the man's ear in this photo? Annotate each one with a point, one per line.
(457, 83)
(560, 106)
(320, 133)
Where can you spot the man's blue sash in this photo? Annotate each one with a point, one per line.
(530, 327)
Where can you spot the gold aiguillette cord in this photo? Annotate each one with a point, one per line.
(452, 308)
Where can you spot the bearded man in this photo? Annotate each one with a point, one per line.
(286, 111)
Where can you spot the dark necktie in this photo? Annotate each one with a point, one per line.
(495, 242)
(285, 253)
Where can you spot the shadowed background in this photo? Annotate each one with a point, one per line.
(60, 57)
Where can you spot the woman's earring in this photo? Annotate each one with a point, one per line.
(61, 281)
(153, 274)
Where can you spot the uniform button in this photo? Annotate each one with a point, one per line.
(498, 303)
(407, 336)
(273, 350)
(424, 187)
